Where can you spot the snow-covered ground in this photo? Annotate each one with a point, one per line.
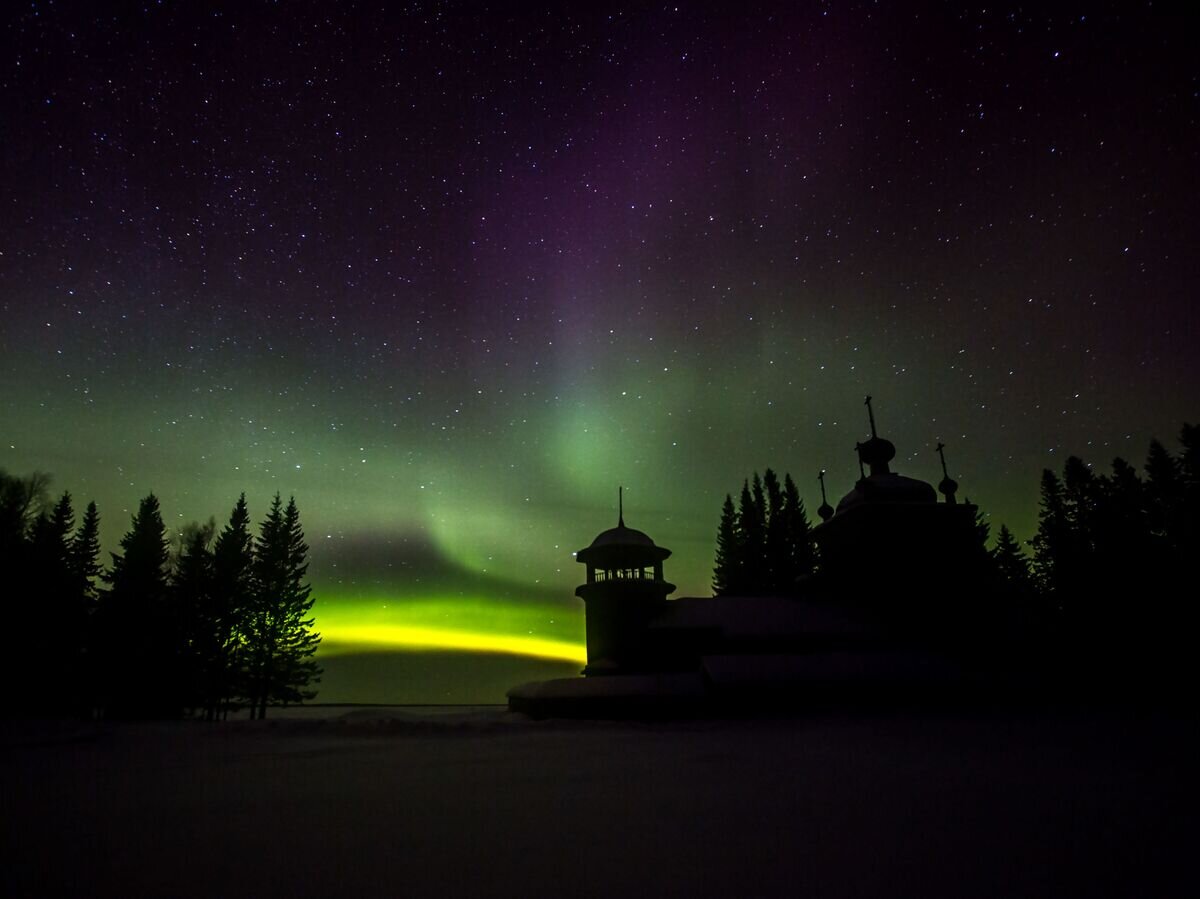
(480, 802)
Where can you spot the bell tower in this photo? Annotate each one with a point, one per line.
(625, 589)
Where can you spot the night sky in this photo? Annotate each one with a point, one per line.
(451, 273)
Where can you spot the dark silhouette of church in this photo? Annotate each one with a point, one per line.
(892, 559)
(891, 534)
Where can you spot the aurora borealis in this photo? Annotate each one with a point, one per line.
(451, 273)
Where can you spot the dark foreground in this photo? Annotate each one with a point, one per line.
(485, 803)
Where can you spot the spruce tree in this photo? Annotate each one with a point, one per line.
(766, 544)
(46, 649)
(299, 641)
(752, 524)
(758, 495)
(1081, 495)
(725, 572)
(51, 533)
(282, 642)
(775, 564)
(85, 572)
(1122, 539)
(85, 555)
(192, 589)
(1164, 491)
(799, 548)
(1011, 565)
(232, 599)
(1049, 545)
(49, 548)
(136, 631)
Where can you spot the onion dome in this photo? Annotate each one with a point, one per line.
(825, 510)
(877, 453)
(883, 485)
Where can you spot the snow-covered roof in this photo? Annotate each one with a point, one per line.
(776, 617)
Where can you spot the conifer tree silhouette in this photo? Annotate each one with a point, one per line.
(750, 537)
(232, 598)
(135, 626)
(729, 552)
(1050, 543)
(280, 636)
(1164, 492)
(192, 585)
(50, 630)
(1103, 539)
(767, 543)
(1012, 566)
(1122, 543)
(775, 541)
(85, 555)
(85, 572)
(758, 528)
(753, 526)
(799, 548)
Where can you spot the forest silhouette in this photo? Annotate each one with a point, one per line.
(1101, 593)
(766, 544)
(209, 623)
(204, 625)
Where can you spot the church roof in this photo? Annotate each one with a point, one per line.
(887, 488)
(882, 485)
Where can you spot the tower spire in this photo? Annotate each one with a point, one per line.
(876, 452)
(620, 507)
(948, 487)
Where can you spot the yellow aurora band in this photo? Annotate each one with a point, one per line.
(382, 624)
(384, 637)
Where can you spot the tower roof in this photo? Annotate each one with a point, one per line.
(622, 544)
(621, 536)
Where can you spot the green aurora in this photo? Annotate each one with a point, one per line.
(449, 280)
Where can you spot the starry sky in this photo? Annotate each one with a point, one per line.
(450, 273)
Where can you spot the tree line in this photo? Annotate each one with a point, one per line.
(766, 543)
(205, 624)
(1105, 538)
(1102, 539)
